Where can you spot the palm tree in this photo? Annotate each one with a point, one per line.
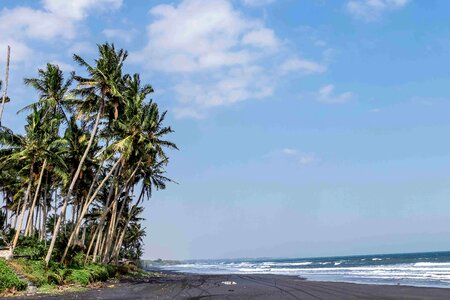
(53, 90)
(102, 85)
(26, 149)
(141, 131)
(53, 100)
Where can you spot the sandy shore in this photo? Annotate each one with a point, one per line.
(187, 286)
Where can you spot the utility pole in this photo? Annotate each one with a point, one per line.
(8, 52)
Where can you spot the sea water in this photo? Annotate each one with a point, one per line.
(430, 269)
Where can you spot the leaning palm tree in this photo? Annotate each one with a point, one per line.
(27, 150)
(100, 88)
(52, 89)
(141, 131)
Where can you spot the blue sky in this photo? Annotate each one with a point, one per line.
(306, 127)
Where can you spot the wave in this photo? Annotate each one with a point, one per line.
(411, 269)
(432, 264)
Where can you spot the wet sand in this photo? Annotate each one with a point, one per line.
(189, 286)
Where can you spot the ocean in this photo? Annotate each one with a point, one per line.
(430, 269)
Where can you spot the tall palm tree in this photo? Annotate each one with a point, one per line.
(102, 85)
(53, 90)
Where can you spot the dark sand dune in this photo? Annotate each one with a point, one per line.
(185, 286)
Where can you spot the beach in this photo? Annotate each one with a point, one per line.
(169, 285)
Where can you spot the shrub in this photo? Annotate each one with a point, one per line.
(32, 247)
(9, 279)
(79, 276)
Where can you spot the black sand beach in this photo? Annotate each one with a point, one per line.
(188, 286)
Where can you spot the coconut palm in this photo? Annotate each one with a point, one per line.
(101, 87)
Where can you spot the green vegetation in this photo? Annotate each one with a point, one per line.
(8, 279)
(37, 272)
(73, 183)
(56, 274)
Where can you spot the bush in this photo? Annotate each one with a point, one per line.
(91, 273)
(40, 275)
(32, 247)
(35, 270)
(9, 279)
(79, 276)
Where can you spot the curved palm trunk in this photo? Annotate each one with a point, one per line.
(44, 212)
(80, 215)
(110, 235)
(6, 83)
(118, 245)
(72, 185)
(91, 243)
(86, 206)
(115, 222)
(16, 215)
(28, 228)
(22, 214)
(44, 219)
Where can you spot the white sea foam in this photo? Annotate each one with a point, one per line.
(431, 264)
(361, 270)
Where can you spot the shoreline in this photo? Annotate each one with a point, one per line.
(172, 285)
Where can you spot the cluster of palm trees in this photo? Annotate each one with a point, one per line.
(93, 150)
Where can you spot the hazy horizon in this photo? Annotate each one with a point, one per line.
(306, 128)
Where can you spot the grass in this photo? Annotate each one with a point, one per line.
(56, 274)
(56, 278)
(9, 279)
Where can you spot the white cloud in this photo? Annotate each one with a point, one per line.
(302, 66)
(325, 95)
(22, 22)
(370, 10)
(306, 159)
(19, 50)
(300, 157)
(120, 34)
(186, 112)
(231, 86)
(55, 20)
(79, 9)
(218, 54)
(289, 151)
(198, 35)
(62, 65)
(262, 37)
(257, 2)
(81, 48)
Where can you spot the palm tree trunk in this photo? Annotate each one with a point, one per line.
(118, 245)
(86, 206)
(97, 244)
(83, 236)
(102, 221)
(72, 184)
(110, 235)
(36, 195)
(91, 243)
(22, 214)
(17, 213)
(44, 219)
(55, 208)
(6, 83)
(44, 211)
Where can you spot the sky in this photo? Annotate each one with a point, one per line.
(305, 127)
